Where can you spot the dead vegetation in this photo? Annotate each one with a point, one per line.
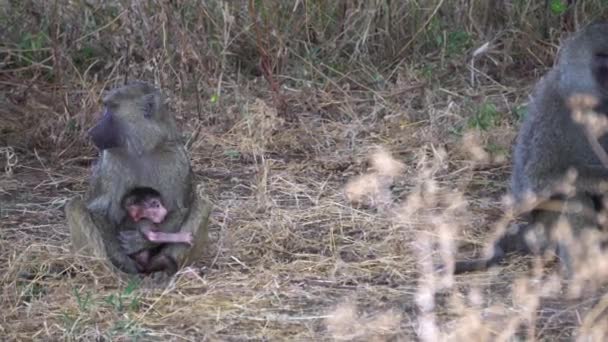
(348, 147)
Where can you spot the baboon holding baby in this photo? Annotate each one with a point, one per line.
(551, 145)
(140, 148)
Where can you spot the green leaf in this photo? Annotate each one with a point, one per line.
(132, 285)
(485, 118)
(232, 154)
(457, 42)
(521, 112)
(83, 300)
(558, 6)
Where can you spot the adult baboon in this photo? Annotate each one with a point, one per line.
(140, 148)
(551, 144)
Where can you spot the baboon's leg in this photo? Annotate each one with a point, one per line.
(84, 235)
(87, 238)
(577, 222)
(161, 262)
(512, 241)
(539, 236)
(557, 230)
(196, 223)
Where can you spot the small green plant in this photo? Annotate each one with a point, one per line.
(233, 154)
(84, 57)
(72, 126)
(427, 71)
(520, 112)
(558, 6)
(127, 328)
(457, 42)
(433, 33)
(123, 302)
(33, 50)
(127, 300)
(378, 80)
(32, 291)
(440, 36)
(485, 118)
(214, 98)
(494, 148)
(70, 322)
(83, 299)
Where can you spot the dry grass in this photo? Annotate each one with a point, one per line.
(349, 148)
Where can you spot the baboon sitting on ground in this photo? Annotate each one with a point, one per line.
(551, 146)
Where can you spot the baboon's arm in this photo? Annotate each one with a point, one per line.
(96, 237)
(195, 223)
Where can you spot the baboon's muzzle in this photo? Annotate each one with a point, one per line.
(105, 133)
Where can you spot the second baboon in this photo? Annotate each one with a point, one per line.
(140, 148)
(550, 145)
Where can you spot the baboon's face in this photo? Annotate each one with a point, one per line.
(149, 207)
(592, 41)
(133, 118)
(583, 64)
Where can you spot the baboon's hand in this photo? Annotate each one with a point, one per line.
(132, 241)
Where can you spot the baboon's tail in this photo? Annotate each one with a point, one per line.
(466, 266)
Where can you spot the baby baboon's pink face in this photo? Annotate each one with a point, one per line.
(150, 208)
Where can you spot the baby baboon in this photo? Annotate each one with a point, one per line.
(145, 209)
(143, 203)
(140, 148)
(550, 145)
